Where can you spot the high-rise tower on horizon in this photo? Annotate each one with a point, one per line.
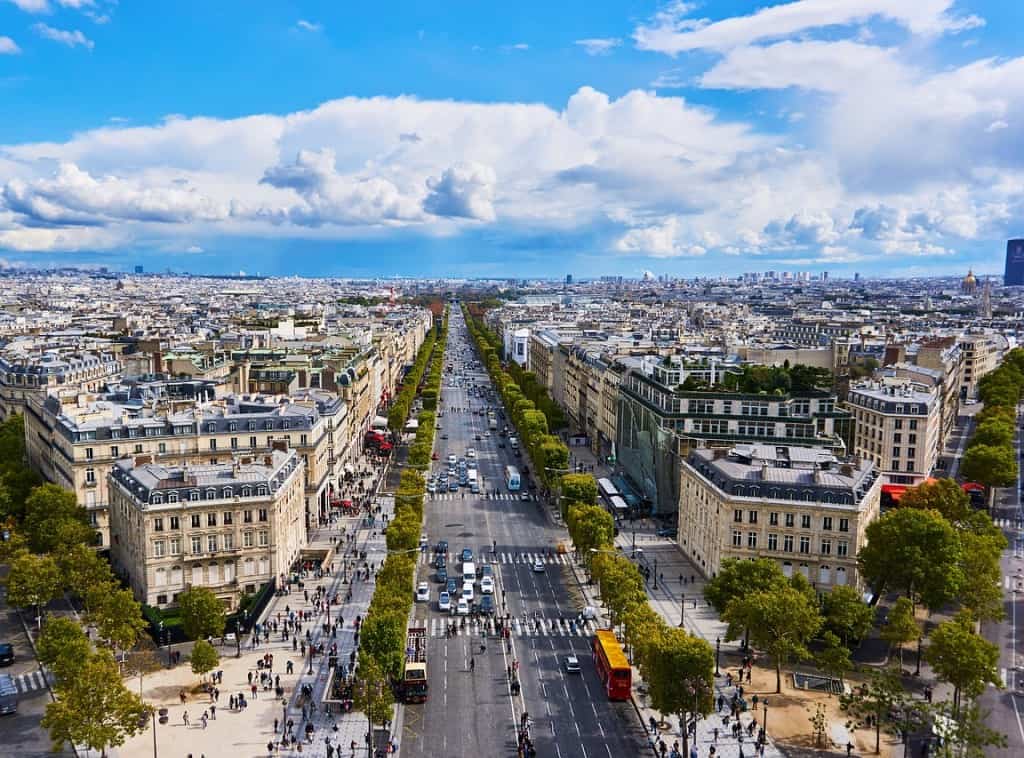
(1014, 274)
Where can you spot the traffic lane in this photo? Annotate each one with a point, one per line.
(532, 593)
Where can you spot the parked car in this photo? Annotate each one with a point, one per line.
(6, 654)
(422, 592)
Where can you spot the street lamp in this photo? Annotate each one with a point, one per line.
(682, 610)
(917, 670)
(655, 572)
(238, 639)
(718, 653)
(764, 721)
(159, 640)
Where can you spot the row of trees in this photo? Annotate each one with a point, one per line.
(549, 455)
(382, 635)
(401, 405)
(49, 551)
(989, 458)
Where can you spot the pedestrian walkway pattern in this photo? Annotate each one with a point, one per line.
(530, 627)
(1007, 523)
(32, 681)
(442, 496)
(548, 559)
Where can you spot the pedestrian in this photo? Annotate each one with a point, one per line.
(184, 717)
(213, 712)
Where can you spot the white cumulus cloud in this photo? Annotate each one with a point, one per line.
(8, 46)
(599, 45)
(73, 38)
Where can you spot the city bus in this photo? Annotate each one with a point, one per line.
(612, 667)
(512, 480)
(606, 488)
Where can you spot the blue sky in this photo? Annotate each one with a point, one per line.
(468, 138)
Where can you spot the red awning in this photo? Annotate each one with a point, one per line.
(972, 487)
(895, 491)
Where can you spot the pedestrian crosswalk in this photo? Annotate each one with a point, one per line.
(530, 627)
(464, 494)
(30, 681)
(548, 559)
(1007, 523)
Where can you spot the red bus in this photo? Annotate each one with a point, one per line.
(612, 666)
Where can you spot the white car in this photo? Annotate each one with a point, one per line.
(424, 541)
(444, 601)
(452, 460)
(462, 607)
(467, 591)
(572, 664)
(471, 453)
(422, 592)
(487, 586)
(431, 487)
(538, 567)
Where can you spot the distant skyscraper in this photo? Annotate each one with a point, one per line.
(1014, 274)
(856, 277)
(138, 269)
(568, 278)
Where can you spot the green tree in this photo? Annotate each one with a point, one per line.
(781, 620)
(33, 581)
(993, 432)
(942, 495)
(833, 658)
(914, 552)
(874, 701)
(619, 581)
(981, 592)
(54, 521)
(963, 658)
(590, 526)
(681, 676)
(118, 618)
(737, 579)
(85, 574)
(204, 658)
(202, 613)
(63, 647)
(95, 709)
(371, 692)
(965, 731)
(902, 626)
(382, 638)
(989, 465)
(846, 614)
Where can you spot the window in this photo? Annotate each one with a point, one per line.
(805, 521)
(197, 545)
(88, 453)
(826, 523)
(912, 439)
(195, 521)
(247, 517)
(303, 440)
(158, 525)
(842, 548)
(773, 519)
(787, 543)
(264, 538)
(844, 524)
(234, 443)
(228, 541)
(737, 516)
(228, 518)
(913, 424)
(113, 451)
(261, 490)
(737, 538)
(90, 475)
(826, 547)
(752, 540)
(175, 545)
(911, 452)
(773, 542)
(211, 543)
(161, 448)
(138, 448)
(263, 514)
(910, 465)
(158, 549)
(211, 519)
(790, 520)
(193, 495)
(172, 497)
(897, 438)
(895, 452)
(247, 539)
(805, 544)
(752, 517)
(175, 522)
(213, 444)
(899, 423)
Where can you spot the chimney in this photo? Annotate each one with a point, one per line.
(764, 470)
(141, 460)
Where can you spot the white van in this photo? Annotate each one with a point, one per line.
(468, 571)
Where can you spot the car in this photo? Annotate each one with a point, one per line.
(444, 436)
(471, 453)
(6, 654)
(452, 459)
(434, 456)
(487, 570)
(667, 531)
(467, 591)
(431, 487)
(422, 592)
(467, 554)
(572, 664)
(477, 438)
(487, 585)
(538, 567)
(486, 604)
(442, 574)
(440, 561)
(452, 586)
(524, 496)
(444, 601)
(462, 607)
(501, 444)
(441, 546)
(424, 541)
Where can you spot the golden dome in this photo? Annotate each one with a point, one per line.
(969, 280)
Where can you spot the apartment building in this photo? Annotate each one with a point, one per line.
(981, 355)
(799, 506)
(25, 374)
(230, 526)
(75, 441)
(898, 426)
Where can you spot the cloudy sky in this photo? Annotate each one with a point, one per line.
(529, 138)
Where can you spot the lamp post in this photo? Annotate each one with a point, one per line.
(917, 669)
(284, 715)
(238, 639)
(655, 572)
(160, 638)
(764, 721)
(682, 610)
(718, 653)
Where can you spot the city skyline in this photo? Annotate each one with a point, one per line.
(871, 137)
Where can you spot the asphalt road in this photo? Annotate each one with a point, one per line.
(1007, 705)
(471, 711)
